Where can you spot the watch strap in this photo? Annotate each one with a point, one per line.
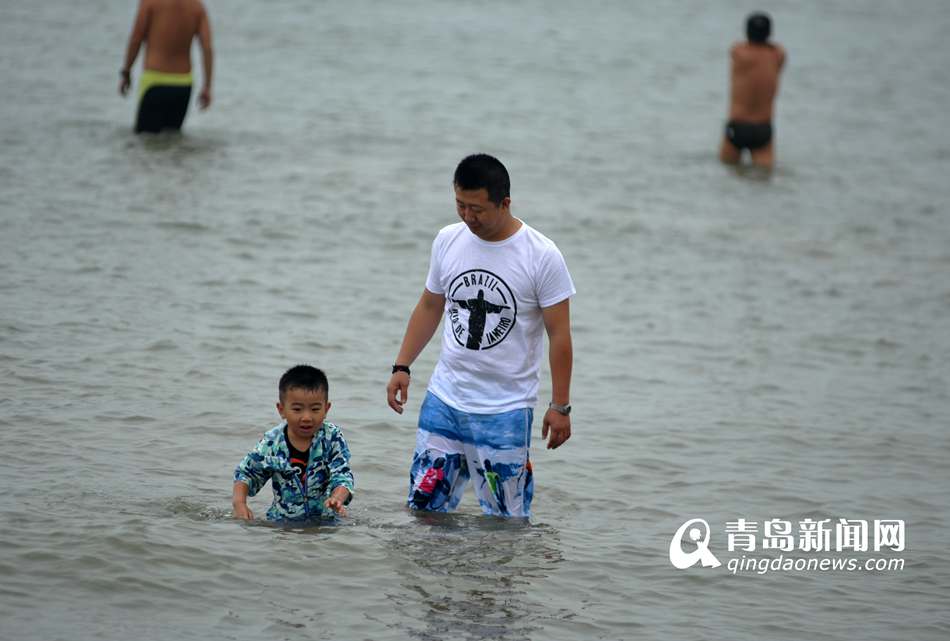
(560, 409)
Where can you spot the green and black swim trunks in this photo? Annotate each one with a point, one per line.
(163, 101)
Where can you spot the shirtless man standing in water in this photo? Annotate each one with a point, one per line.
(756, 65)
(167, 27)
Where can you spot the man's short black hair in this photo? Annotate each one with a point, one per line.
(758, 27)
(481, 171)
(304, 377)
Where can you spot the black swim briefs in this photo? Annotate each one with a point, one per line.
(749, 135)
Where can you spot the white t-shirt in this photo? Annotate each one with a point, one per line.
(493, 331)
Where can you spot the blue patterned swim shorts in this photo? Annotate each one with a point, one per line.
(453, 447)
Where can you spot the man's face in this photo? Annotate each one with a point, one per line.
(304, 411)
(484, 218)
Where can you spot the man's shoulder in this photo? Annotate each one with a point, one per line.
(449, 234)
(755, 50)
(453, 229)
(780, 52)
(187, 9)
(539, 240)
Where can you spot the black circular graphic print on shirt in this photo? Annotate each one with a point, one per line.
(483, 309)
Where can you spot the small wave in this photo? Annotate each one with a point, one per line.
(162, 345)
(194, 510)
(183, 226)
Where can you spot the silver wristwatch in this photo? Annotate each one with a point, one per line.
(560, 409)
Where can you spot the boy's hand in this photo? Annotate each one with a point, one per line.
(337, 498)
(397, 392)
(239, 501)
(243, 512)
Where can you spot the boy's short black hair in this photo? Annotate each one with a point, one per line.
(304, 377)
(481, 171)
(758, 27)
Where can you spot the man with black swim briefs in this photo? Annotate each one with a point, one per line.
(167, 27)
(756, 66)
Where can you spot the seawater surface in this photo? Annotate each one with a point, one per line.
(744, 347)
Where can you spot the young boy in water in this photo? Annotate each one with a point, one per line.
(305, 458)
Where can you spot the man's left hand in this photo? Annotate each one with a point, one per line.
(559, 427)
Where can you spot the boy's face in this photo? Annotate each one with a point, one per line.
(304, 411)
(484, 218)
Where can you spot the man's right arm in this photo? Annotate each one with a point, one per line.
(207, 58)
(422, 325)
(136, 38)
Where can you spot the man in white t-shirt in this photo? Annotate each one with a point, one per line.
(500, 285)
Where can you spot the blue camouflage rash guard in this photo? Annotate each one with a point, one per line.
(327, 469)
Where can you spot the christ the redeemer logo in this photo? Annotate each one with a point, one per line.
(482, 310)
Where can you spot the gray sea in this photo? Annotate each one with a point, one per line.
(745, 347)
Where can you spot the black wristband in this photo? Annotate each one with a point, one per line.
(125, 73)
(401, 368)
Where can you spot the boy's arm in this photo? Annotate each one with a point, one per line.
(557, 322)
(338, 500)
(239, 501)
(422, 325)
(136, 38)
(341, 483)
(249, 477)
